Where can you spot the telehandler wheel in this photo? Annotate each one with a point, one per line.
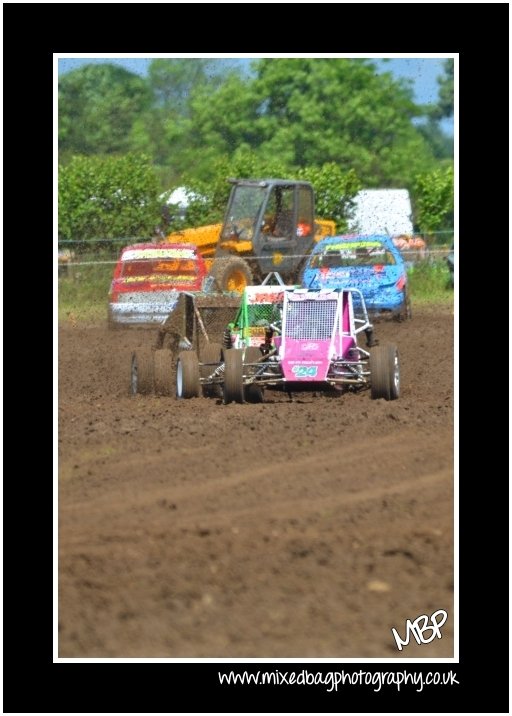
(231, 274)
(252, 393)
(142, 371)
(233, 376)
(211, 353)
(163, 367)
(385, 372)
(187, 375)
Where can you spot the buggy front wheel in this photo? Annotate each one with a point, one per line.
(385, 372)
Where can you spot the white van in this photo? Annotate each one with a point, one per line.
(381, 211)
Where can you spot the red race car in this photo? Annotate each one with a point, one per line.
(148, 279)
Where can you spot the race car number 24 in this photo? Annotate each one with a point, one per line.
(305, 371)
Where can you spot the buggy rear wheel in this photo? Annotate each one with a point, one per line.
(252, 393)
(163, 371)
(233, 376)
(385, 372)
(211, 353)
(187, 375)
(142, 371)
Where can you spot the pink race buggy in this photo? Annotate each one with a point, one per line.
(313, 347)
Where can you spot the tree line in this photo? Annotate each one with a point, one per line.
(123, 139)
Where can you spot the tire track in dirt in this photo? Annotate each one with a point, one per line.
(261, 481)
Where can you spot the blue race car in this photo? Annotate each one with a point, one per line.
(373, 264)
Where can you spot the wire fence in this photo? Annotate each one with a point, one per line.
(105, 252)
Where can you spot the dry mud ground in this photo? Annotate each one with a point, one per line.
(287, 529)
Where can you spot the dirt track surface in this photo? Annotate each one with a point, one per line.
(287, 529)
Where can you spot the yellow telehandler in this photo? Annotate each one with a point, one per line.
(269, 226)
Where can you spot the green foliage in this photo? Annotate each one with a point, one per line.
(317, 104)
(433, 193)
(429, 282)
(440, 143)
(309, 112)
(223, 123)
(167, 131)
(444, 107)
(98, 105)
(164, 137)
(174, 81)
(108, 197)
(334, 191)
(84, 295)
